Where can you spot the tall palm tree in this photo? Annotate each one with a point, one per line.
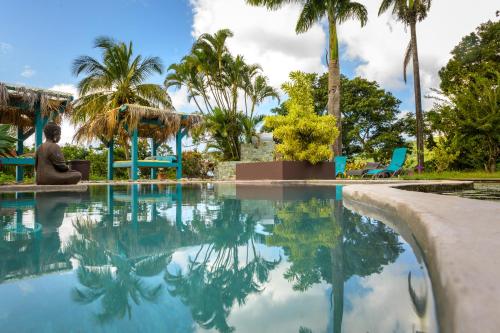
(337, 12)
(118, 78)
(410, 12)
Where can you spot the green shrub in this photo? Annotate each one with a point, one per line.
(302, 134)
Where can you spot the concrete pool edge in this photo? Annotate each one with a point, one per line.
(460, 243)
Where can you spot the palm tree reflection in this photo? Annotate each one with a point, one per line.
(110, 271)
(225, 270)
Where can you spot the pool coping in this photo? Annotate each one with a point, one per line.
(459, 242)
(82, 186)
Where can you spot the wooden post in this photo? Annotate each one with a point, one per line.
(38, 126)
(110, 159)
(178, 149)
(20, 151)
(154, 148)
(135, 155)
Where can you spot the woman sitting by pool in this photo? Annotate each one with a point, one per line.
(50, 166)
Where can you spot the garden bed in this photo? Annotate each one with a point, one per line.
(285, 170)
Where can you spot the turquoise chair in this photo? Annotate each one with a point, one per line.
(397, 161)
(340, 162)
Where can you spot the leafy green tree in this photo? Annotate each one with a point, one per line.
(477, 53)
(470, 121)
(409, 12)
(117, 79)
(372, 123)
(302, 134)
(466, 114)
(372, 126)
(337, 12)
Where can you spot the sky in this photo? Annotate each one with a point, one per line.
(40, 39)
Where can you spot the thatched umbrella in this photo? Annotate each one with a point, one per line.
(19, 104)
(159, 124)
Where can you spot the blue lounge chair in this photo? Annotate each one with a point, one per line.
(340, 162)
(397, 161)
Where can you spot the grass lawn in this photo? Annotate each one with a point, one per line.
(454, 175)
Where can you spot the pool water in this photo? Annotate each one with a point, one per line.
(205, 258)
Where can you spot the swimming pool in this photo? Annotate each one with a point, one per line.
(205, 257)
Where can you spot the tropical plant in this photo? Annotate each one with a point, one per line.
(302, 134)
(118, 78)
(410, 12)
(470, 120)
(7, 140)
(215, 81)
(337, 12)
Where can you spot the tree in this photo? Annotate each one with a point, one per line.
(337, 12)
(215, 81)
(476, 53)
(410, 12)
(466, 114)
(302, 134)
(470, 121)
(372, 123)
(372, 127)
(115, 80)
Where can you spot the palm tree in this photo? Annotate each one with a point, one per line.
(410, 12)
(215, 79)
(337, 12)
(115, 80)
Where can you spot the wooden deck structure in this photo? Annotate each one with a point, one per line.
(29, 110)
(158, 125)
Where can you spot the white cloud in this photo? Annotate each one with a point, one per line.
(5, 47)
(67, 130)
(381, 44)
(28, 71)
(263, 37)
(180, 100)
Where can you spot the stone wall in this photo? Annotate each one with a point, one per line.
(225, 170)
(263, 153)
(249, 153)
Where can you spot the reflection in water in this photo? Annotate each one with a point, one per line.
(216, 278)
(326, 242)
(124, 248)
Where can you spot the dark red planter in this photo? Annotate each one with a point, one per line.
(285, 170)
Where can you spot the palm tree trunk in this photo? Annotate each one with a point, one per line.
(418, 100)
(334, 82)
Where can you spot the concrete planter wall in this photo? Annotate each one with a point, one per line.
(285, 170)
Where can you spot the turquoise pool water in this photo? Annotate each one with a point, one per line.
(196, 258)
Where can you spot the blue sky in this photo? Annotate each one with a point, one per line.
(48, 35)
(40, 39)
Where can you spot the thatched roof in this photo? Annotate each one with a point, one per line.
(164, 123)
(18, 103)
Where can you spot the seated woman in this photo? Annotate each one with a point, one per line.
(50, 166)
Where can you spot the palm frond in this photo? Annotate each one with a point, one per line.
(407, 58)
